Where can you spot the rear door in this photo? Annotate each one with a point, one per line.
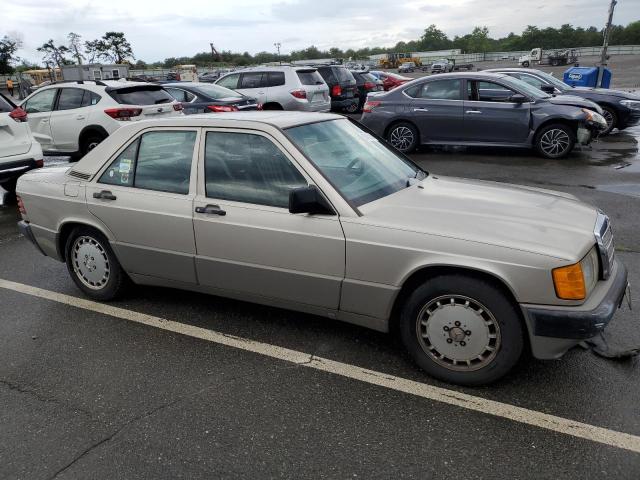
(15, 138)
(154, 100)
(490, 115)
(145, 197)
(254, 84)
(69, 118)
(38, 108)
(436, 108)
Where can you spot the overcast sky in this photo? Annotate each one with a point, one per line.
(158, 29)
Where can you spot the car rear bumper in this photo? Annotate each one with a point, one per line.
(343, 103)
(554, 330)
(25, 229)
(13, 169)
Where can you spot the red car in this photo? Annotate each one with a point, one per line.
(391, 80)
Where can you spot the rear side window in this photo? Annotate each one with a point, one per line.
(159, 161)
(437, 90)
(251, 80)
(310, 77)
(90, 98)
(70, 98)
(275, 79)
(141, 96)
(180, 95)
(343, 75)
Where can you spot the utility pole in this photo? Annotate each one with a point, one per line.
(605, 44)
(278, 45)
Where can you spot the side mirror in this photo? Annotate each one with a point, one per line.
(308, 200)
(518, 98)
(548, 89)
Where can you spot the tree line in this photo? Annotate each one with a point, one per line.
(113, 47)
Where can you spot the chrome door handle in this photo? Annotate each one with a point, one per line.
(420, 109)
(45, 121)
(473, 111)
(80, 117)
(211, 210)
(104, 195)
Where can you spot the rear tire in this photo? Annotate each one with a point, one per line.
(555, 141)
(272, 106)
(93, 266)
(352, 108)
(10, 185)
(403, 136)
(462, 330)
(525, 64)
(91, 142)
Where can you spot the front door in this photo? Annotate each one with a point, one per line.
(38, 109)
(490, 116)
(436, 108)
(145, 198)
(246, 239)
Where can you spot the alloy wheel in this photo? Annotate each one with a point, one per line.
(401, 138)
(90, 262)
(555, 142)
(608, 116)
(458, 333)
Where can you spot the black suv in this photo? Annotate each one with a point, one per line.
(366, 83)
(342, 87)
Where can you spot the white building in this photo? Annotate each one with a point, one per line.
(95, 71)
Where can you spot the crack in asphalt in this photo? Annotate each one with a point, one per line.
(42, 398)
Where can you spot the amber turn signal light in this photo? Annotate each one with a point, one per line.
(569, 282)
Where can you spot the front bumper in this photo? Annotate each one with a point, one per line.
(25, 229)
(554, 330)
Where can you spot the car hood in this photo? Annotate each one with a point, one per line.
(524, 218)
(575, 101)
(588, 92)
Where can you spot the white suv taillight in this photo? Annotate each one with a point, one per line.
(123, 114)
(301, 94)
(18, 114)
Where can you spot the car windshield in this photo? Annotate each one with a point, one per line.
(215, 92)
(559, 84)
(358, 165)
(524, 87)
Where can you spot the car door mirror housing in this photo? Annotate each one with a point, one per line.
(548, 89)
(518, 98)
(308, 200)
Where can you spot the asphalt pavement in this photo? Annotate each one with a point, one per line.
(87, 392)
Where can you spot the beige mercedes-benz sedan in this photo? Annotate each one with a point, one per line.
(311, 212)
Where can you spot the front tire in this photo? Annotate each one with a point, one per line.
(403, 136)
(93, 266)
(555, 141)
(462, 330)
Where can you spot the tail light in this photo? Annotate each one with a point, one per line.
(222, 108)
(369, 86)
(21, 208)
(123, 114)
(336, 91)
(260, 106)
(369, 106)
(177, 107)
(18, 114)
(302, 94)
(40, 163)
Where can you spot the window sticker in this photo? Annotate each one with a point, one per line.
(124, 178)
(125, 166)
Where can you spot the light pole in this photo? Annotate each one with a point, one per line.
(278, 45)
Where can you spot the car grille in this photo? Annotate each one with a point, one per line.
(83, 176)
(606, 247)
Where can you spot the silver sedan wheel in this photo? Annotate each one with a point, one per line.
(401, 137)
(90, 262)
(458, 333)
(555, 142)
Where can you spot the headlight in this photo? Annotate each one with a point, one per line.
(595, 118)
(575, 282)
(632, 104)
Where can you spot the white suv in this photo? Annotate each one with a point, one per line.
(281, 88)
(19, 151)
(71, 118)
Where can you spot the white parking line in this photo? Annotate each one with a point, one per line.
(470, 402)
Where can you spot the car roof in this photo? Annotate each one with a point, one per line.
(513, 69)
(482, 75)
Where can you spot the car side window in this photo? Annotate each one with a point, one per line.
(90, 98)
(41, 101)
(70, 98)
(448, 89)
(490, 92)
(230, 81)
(158, 161)
(533, 81)
(179, 94)
(275, 79)
(248, 168)
(252, 80)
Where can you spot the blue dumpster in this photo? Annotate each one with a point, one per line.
(586, 77)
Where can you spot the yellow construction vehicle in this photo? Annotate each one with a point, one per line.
(394, 60)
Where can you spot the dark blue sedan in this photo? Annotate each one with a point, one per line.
(209, 98)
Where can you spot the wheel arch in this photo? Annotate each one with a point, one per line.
(425, 273)
(65, 229)
(396, 121)
(90, 129)
(272, 106)
(571, 123)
